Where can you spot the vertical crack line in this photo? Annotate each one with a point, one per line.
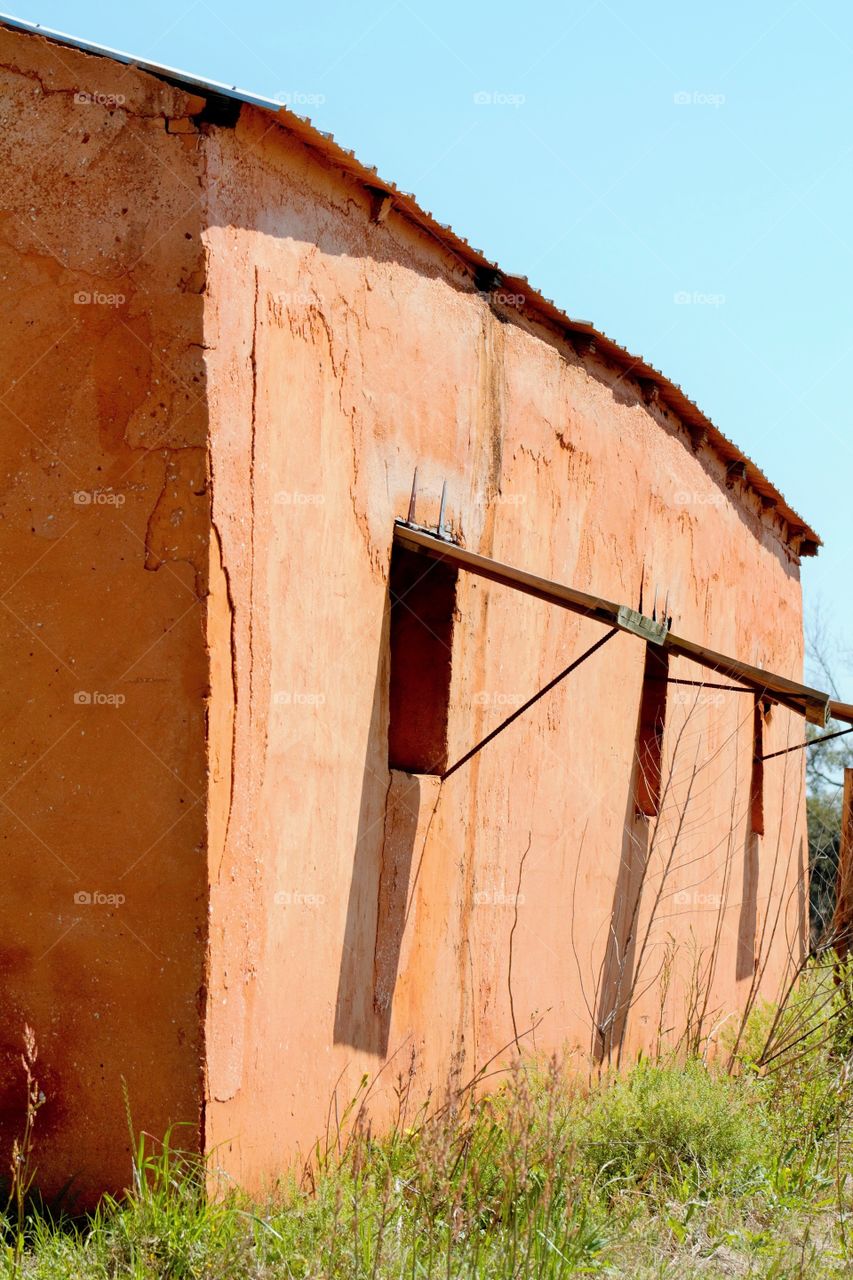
(232, 624)
(252, 457)
(512, 938)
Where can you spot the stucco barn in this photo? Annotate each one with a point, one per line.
(260, 835)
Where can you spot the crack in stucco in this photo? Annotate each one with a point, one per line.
(232, 628)
(112, 101)
(176, 531)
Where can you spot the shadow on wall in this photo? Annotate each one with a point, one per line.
(379, 888)
(616, 984)
(747, 961)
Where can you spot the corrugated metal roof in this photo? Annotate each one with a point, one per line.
(653, 383)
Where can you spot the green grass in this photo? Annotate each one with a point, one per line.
(675, 1169)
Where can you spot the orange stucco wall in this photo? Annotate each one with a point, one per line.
(294, 914)
(360, 915)
(103, 546)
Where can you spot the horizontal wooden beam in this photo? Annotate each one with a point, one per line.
(614, 615)
(808, 702)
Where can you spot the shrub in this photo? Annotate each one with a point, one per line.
(662, 1124)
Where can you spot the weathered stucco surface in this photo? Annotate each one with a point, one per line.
(360, 915)
(295, 914)
(103, 546)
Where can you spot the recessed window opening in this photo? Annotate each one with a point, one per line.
(756, 788)
(650, 731)
(423, 599)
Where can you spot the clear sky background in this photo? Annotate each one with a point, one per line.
(630, 153)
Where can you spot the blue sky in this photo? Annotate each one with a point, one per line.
(628, 154)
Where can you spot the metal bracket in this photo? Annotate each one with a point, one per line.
(639, 625)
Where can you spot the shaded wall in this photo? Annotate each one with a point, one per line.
(103, 567)
(363, 917)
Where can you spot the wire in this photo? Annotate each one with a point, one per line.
(840, 733)
(529, 703)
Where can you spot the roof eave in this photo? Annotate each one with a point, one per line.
(801, 537)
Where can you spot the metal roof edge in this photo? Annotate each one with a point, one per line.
(669, 393)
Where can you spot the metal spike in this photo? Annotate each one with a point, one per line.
(442, 532)
(655, 605)
(410, 518)
(666, 609)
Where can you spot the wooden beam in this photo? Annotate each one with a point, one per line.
(811, 703)
(614, 615)
(808, 702)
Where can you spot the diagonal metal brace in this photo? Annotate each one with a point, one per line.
(529, 703)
